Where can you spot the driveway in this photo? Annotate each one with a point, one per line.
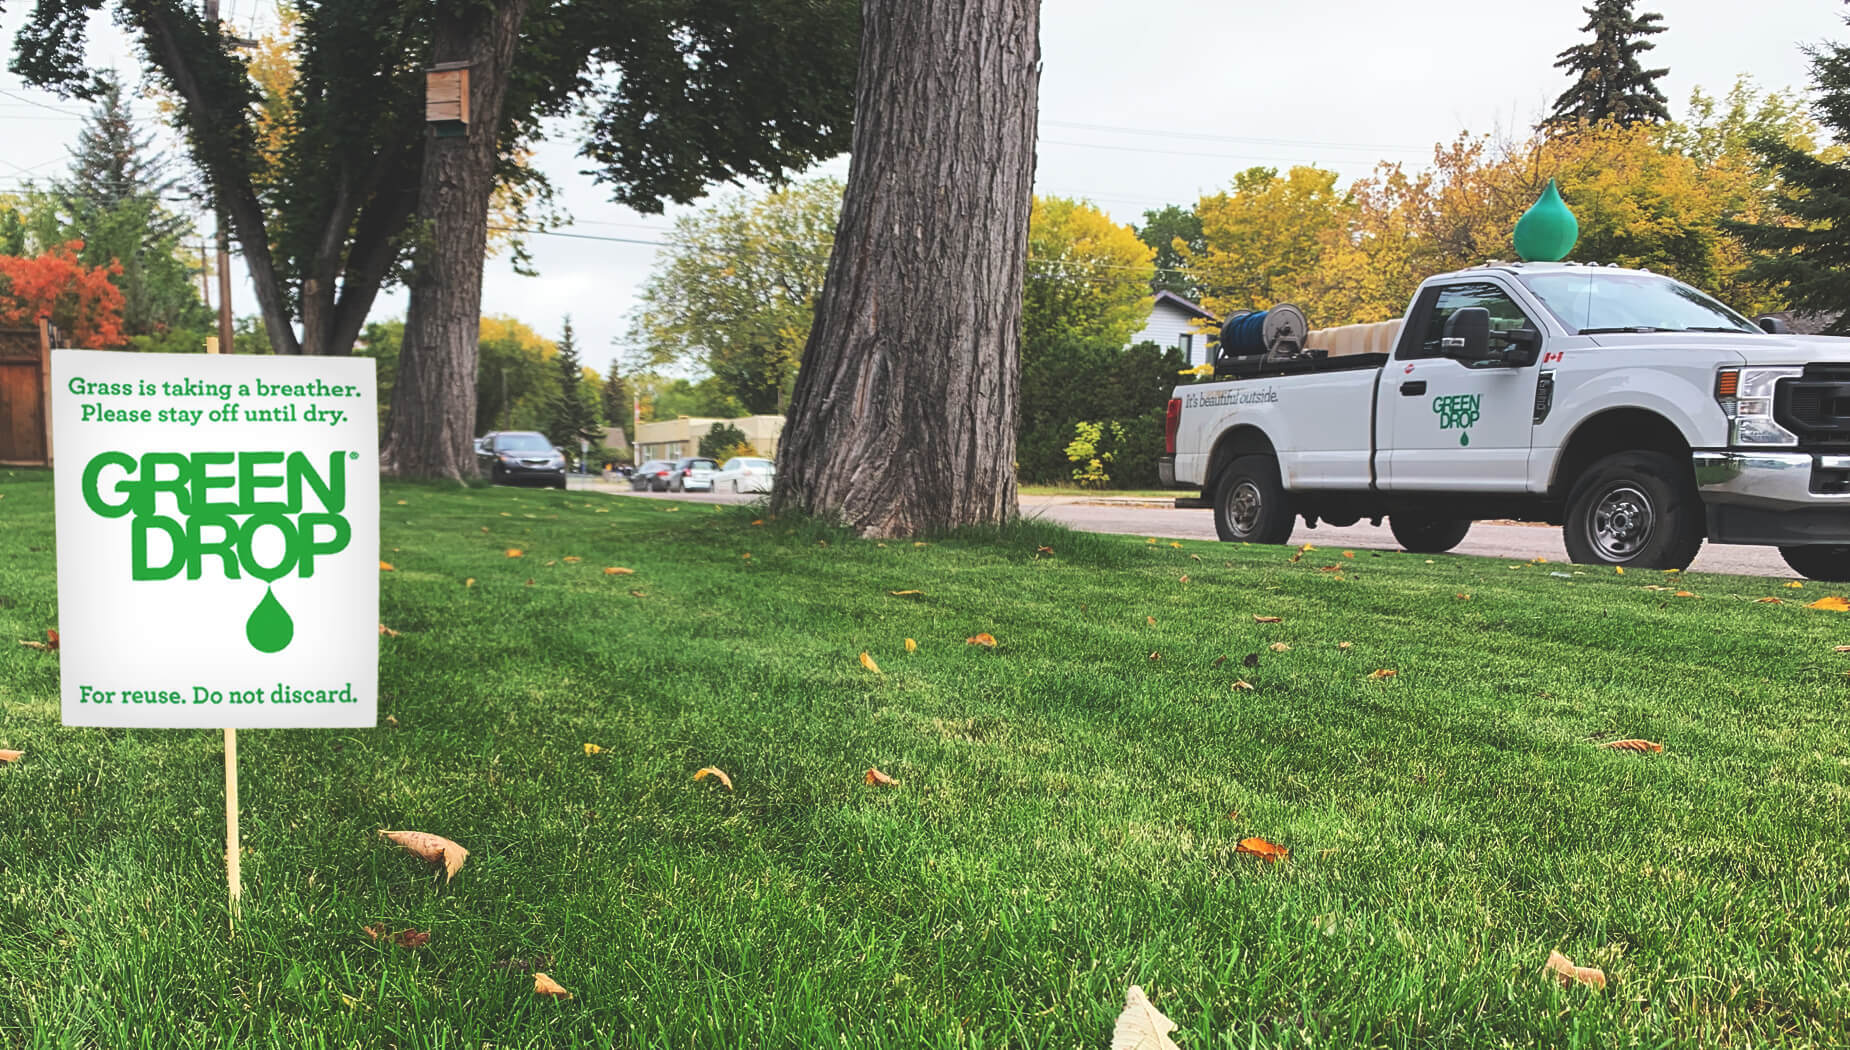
(1137, 517)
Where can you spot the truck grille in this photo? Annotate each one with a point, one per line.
(1816, 406)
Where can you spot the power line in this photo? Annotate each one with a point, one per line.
(41, 105)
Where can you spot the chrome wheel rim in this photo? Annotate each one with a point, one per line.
(1621, 524)
(1244, 505)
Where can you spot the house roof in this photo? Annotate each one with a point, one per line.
(1183, 304)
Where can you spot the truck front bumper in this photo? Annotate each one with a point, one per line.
(1775, 498)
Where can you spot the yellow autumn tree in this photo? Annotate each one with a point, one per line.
(1088, 276)
(1266, 238)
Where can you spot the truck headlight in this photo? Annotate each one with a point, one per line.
(1746, 398)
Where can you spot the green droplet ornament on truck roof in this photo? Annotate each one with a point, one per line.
(1548, 230)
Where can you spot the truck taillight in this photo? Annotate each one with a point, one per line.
(1172, 420)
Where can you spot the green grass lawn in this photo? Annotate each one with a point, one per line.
(1075, 490)
(1065, 824)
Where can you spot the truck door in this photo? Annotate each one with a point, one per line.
(1447, 425)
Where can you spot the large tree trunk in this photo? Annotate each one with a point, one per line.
(903, 418)
(433, 402)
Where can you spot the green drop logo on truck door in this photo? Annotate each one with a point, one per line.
(1458, 412)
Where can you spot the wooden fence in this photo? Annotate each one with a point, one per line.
(25, 395)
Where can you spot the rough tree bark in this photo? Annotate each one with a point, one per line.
(903, 418)
(432, 424)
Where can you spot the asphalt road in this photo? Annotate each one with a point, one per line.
(1147, 518)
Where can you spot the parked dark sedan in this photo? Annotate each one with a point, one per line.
(521, 457)
(652, 476)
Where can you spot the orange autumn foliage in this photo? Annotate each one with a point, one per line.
(80, 300)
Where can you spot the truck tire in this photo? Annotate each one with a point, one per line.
(1634, 509)
(1819, 561)
(1426, 535)
(1251, 504)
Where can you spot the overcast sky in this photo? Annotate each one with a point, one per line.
(1142, 104)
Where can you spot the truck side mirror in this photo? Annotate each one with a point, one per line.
(1773, 325)
(1467, 335)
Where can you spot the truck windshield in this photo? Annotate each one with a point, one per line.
(1591, 301)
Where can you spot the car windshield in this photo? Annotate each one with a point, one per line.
(756, 464)
(702, 464)
(522, 443)
(1590, 301)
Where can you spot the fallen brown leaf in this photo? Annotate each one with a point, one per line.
(1769, 601)
(907, 594)
(9, 756)
(544, 985)
(1218, 661)
(757, 521)
(1563, 967)
(868, 662)
(1243, 686)
(515, 552)
(1043, 550)
(1634, 745)
(1142, 1026)
(639, 594)
(385, 566)
(571, 557)
(1684, 594)
(618, 570)
(1151, 620)
(1268, 619)
(1281, 647)
(1385, 672)
(1263, 850)
(1155, 656)
(51, 638)
(716, 773)
(874, 776)
(985, 639)
(1462, 597)
(1348, 554)
(433, 848)
(1841, 649)
(391, 720)
(1831, 604)
(411, 938)
(387, 632)
(1344, 645)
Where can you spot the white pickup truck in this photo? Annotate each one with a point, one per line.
(1636, 412)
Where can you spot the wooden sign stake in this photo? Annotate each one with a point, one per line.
(233, 877)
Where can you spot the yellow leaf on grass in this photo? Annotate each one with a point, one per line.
(1619, 569)
(618, 570)
(593, 749)
(1769, 601)
(1831, 604)
(1348, 554)
(1243, 686)
(544, 985)
(717, 773)
(875, 777)
(1385, 672)
(1794, 585)
(571, 557)
(1841, 649)
(10, 756)
(1151, 620)
(758, 521)
(1264, 850)
(433, 848)
(1267, 619)
(868, 662)
(985, 639)
(470, 582)
(746, 556)
(1177, 546)
(1280, 647)
(912, 646)
(387, 632)
(1684, 594)
(1344, 645)
(385, 566)
(907, 594)
(1142, 1026)
(515, 552)
(1151, 540)
(1563, 967)
(1635, 745)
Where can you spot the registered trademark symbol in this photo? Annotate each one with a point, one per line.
(353, 455)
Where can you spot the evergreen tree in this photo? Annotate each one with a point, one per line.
(115, 200)
(572, 417)
(1805, 251)
(618, 406)
(1609, 84)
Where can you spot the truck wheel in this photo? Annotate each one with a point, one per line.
(1250, 504)
(1423, 535)
(1634, 508)
(1819, 561)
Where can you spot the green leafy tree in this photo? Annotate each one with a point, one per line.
(381, 341)
(720, 439)
(1086, 275)
(735, 289)
(573, 417)
(1266, 237)
(1066, 380)
(672, 398)
(1804, 245)
(1610, 85)
(517, 383)
(1161, 230)
(615, 400)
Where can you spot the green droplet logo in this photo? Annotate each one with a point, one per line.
(269, 628)
(1463, 439)
(1548, 230)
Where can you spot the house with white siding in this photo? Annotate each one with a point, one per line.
(1174, 321)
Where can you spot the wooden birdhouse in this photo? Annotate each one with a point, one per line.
(446, 99)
